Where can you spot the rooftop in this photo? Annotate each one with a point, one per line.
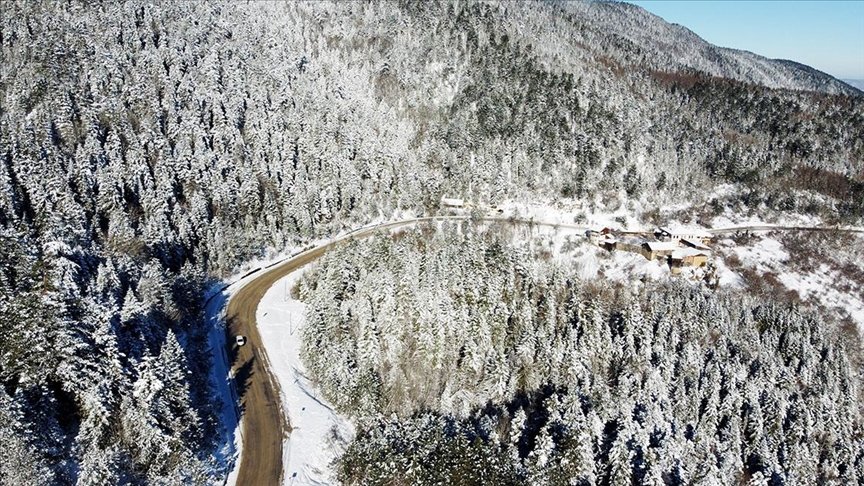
(695, 243)
(662, 245)
(682, 253)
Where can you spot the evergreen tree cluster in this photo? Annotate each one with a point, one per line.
(468, 360)
(149, 148)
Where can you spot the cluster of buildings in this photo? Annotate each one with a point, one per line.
(680, 247)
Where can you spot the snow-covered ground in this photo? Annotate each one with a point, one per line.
(823, 285)
(620, 266)
(819, 286)
(574, 212)
(310, 448)
(765, 255)
(622, 212)
(319, 434)
(229, 454)
(729, 219)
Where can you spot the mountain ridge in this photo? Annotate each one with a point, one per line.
(692, 51)
(855, 83)
(148, 150)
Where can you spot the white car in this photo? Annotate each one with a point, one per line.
(240, 340)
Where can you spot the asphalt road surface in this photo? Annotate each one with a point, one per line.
(264, 425)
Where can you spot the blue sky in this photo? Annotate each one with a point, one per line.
(828, 35)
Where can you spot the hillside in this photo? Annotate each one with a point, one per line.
(148, 150)
(512, 369)
(639, 38)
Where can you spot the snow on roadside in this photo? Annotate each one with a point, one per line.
(575, 212)
(216, 299)
(216, 302)
(319, 434)
(232, 443)
(271, 256)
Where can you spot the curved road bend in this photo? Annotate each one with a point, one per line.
(264, 425)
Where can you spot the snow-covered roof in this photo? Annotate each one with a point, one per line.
(662, 245)
(696, 243)
(682, 253)
(452, 201)
(631, 240)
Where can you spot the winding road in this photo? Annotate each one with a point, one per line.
(264, 423)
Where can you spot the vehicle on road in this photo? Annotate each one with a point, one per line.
(240, 340)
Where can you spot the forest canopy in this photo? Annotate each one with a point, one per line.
(469, 359)
(149, 149)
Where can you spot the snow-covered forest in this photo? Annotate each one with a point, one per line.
(466, 359)
(148, 149)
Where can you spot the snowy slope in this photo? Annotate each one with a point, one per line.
(318, 433)
(822, 285)
(232, 442)
(638, 37)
